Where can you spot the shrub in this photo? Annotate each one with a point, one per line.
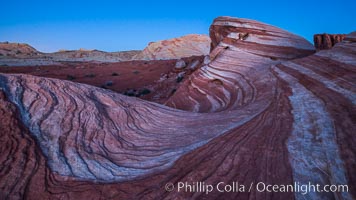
(109, 83)
(179, 79)
(135, 93)
(144, 91)
(70, 77)
(90, 75)
(173, 91)
(130, 92)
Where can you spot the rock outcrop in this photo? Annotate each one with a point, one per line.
(242, 51)
(185, 46)
(327, 41)
(18, 50)
(263, 110)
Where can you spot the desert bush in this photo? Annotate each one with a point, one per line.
(109, 83)
(179, 79)
(90, 75)
(130, 92)
(70, 77)
(135, 93)
(144, 91)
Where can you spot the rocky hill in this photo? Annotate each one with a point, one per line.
(185, 46)
(14, 54)
(17, 50)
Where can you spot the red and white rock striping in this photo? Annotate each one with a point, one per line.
(71, 122)
(278, 122)
(323, 106)
(242, 52)
(185, 46)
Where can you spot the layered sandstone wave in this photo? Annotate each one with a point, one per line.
(242, 52)
(264, 109)
(185, 46)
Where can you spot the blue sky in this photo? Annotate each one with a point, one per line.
(115, 25)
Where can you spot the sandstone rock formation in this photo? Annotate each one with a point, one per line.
(226, 82)
(327, 41)
(185, 46)
(264, 109)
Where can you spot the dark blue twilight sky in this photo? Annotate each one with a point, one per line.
(116, 25)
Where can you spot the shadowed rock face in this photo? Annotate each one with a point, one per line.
(258, 112)
(327, 41)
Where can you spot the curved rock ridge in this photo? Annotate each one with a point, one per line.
(94, 134)
(185, 46)
(242, 51)
(262, 113)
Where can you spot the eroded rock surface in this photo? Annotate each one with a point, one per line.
(264, 109)
(327, 41)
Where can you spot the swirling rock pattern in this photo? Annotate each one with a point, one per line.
(243, 51)
(258, 112)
